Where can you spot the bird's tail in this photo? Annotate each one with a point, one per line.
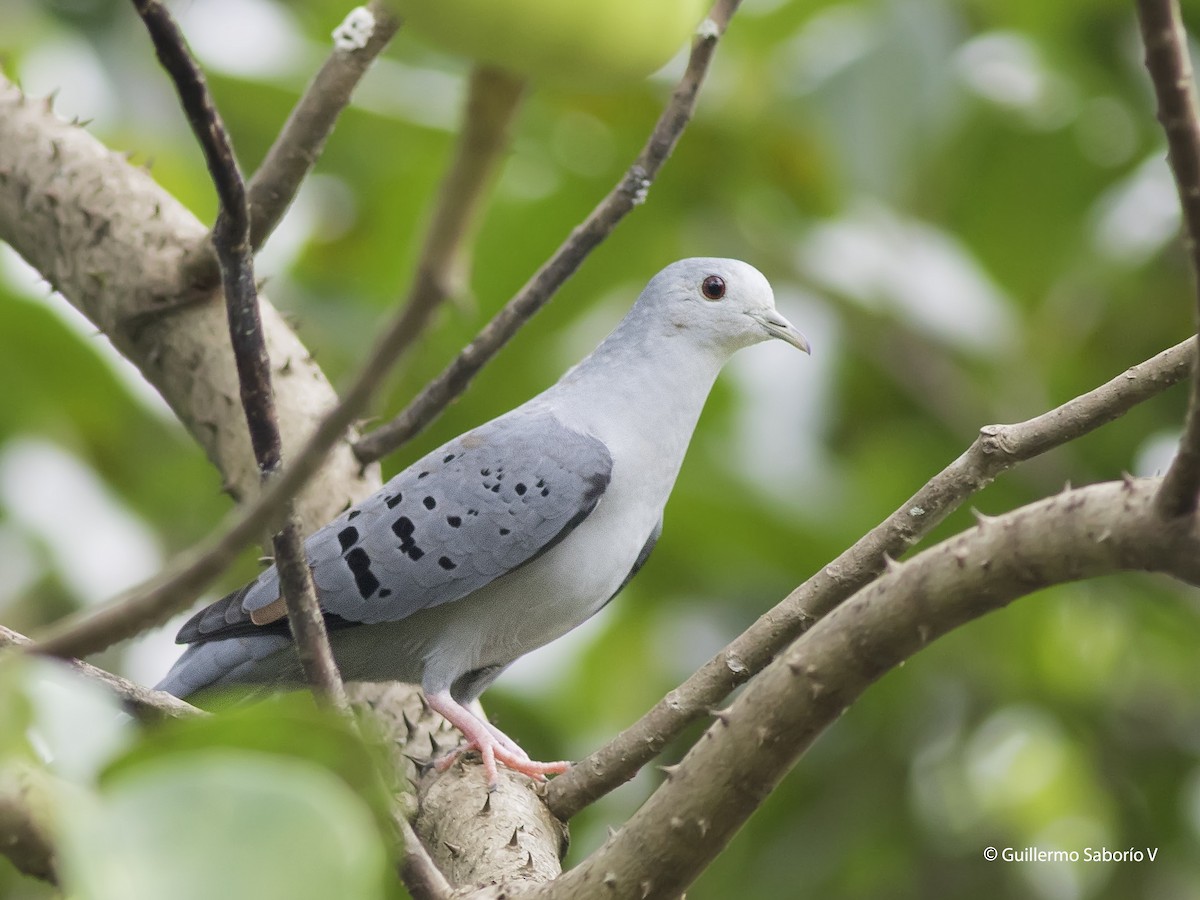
(232, 661)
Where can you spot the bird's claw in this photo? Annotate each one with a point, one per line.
(493, 751)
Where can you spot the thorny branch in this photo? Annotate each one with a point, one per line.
(998, 447)
(752, 744)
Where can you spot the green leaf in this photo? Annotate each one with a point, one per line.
(287, 725)
(222, 823)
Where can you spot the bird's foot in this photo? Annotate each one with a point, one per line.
(494, 746)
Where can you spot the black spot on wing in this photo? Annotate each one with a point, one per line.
(394, 500)
(404, 529)
(347, 537)
(360, 566)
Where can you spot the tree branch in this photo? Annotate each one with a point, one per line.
(146, 705)
(620, 201)
(493, 100)
(357, 41)
(231, 241)
(1076, 534)
(997, 448)
(423, 879)
(1170, 70)
(110, 239)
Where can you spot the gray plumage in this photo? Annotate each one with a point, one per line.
(513, 533)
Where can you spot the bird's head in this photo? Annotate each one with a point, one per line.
(723, 302)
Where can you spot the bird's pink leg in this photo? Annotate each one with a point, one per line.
(493, 745)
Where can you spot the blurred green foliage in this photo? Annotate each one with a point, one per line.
(963, 204)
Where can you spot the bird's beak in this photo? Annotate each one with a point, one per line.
(779, 327)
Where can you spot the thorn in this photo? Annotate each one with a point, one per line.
(612, 831)
(512, 841)
(1129, 480)
(721, 715)
(1066, 486)
(409, 727)
(421, 765)
(487, 805)
(528, 860)
(702, 824)
(676, 823)
(48, 102)
(609, 881)
(982, 519)
(645, 886)
(455, 851)
(890, 564)
(669, 771)
(794, 666)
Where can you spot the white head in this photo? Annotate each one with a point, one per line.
(724, 303)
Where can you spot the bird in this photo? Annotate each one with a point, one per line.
(511, 534)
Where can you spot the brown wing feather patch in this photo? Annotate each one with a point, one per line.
(272, 612)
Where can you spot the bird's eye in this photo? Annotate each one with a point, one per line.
(713, 287)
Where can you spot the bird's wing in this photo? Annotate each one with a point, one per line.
(476, 508)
